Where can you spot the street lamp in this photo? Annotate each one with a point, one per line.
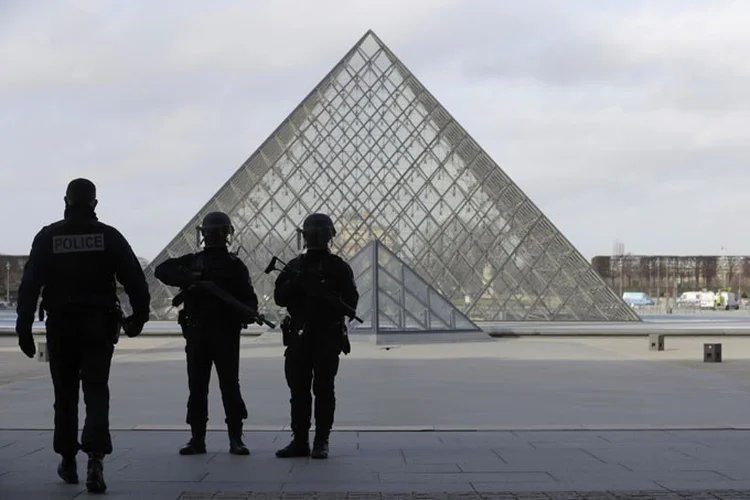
(7, 281)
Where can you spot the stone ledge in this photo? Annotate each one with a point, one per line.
(604, 331)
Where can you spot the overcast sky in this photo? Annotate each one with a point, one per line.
(621, 119)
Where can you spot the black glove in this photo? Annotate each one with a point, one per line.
(346, 346)
(25, 339)
(133, 325)
(188, 278)
(248, 319)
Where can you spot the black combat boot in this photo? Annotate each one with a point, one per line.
(299, 447)
(68, 469)
(197, 443)
(236, 446)
(95, 477)
(320, 445)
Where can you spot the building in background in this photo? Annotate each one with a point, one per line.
(671, 275)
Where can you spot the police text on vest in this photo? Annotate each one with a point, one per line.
(68, 243)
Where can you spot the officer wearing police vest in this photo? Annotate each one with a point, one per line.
(74, 264)
(212, 328)
(306, 287)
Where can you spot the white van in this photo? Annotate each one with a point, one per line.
(728, 300)
(722, 300)
(690, 299)
(708, 300)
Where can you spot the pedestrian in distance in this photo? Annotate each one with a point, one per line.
(74, 263)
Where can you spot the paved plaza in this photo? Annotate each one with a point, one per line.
(505, 418)
(145, 464)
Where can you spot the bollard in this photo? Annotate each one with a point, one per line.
(41, 352)
(656, 342)
(712, 353)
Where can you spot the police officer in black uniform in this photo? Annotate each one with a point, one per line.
(212, 328)
(313, 287)
(74, 263)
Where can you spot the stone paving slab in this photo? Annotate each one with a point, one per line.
(556, 465)
(571, 495)
(509, 384)
(569, 416)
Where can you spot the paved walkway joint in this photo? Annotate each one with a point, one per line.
(498, 495)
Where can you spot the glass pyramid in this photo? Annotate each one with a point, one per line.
(374, 149)
(395, 299)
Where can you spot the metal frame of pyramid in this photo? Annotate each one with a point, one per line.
(395, 299)
(374, 149)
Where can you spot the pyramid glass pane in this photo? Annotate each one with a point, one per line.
(404, 301)
(374, 149)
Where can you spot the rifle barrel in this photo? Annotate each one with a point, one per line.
(220, 293)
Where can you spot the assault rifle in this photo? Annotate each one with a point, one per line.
(218, 292)
(326, 294)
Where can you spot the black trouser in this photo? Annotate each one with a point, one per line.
(205, 349)
(80, 351)
(315, 366)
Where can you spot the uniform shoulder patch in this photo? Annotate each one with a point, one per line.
(73, 243)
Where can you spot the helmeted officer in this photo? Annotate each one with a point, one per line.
(212, 328)
(306, 287)
(74, 263)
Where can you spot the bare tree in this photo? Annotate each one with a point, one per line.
(745, 269)
(602, 264)
(732, 267)
(675, 273)
(644, 275)
(710, 267)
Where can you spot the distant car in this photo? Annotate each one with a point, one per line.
(637, 299)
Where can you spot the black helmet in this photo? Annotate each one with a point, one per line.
(216, 220)
(216, 229)
(318, 231)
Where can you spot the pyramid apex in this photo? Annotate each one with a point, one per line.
(368, 34)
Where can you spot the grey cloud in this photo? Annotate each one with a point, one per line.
(184, 38)
(679, 49)
(610, 127)
(709, 93)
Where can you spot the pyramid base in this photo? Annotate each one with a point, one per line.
(434, 337)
